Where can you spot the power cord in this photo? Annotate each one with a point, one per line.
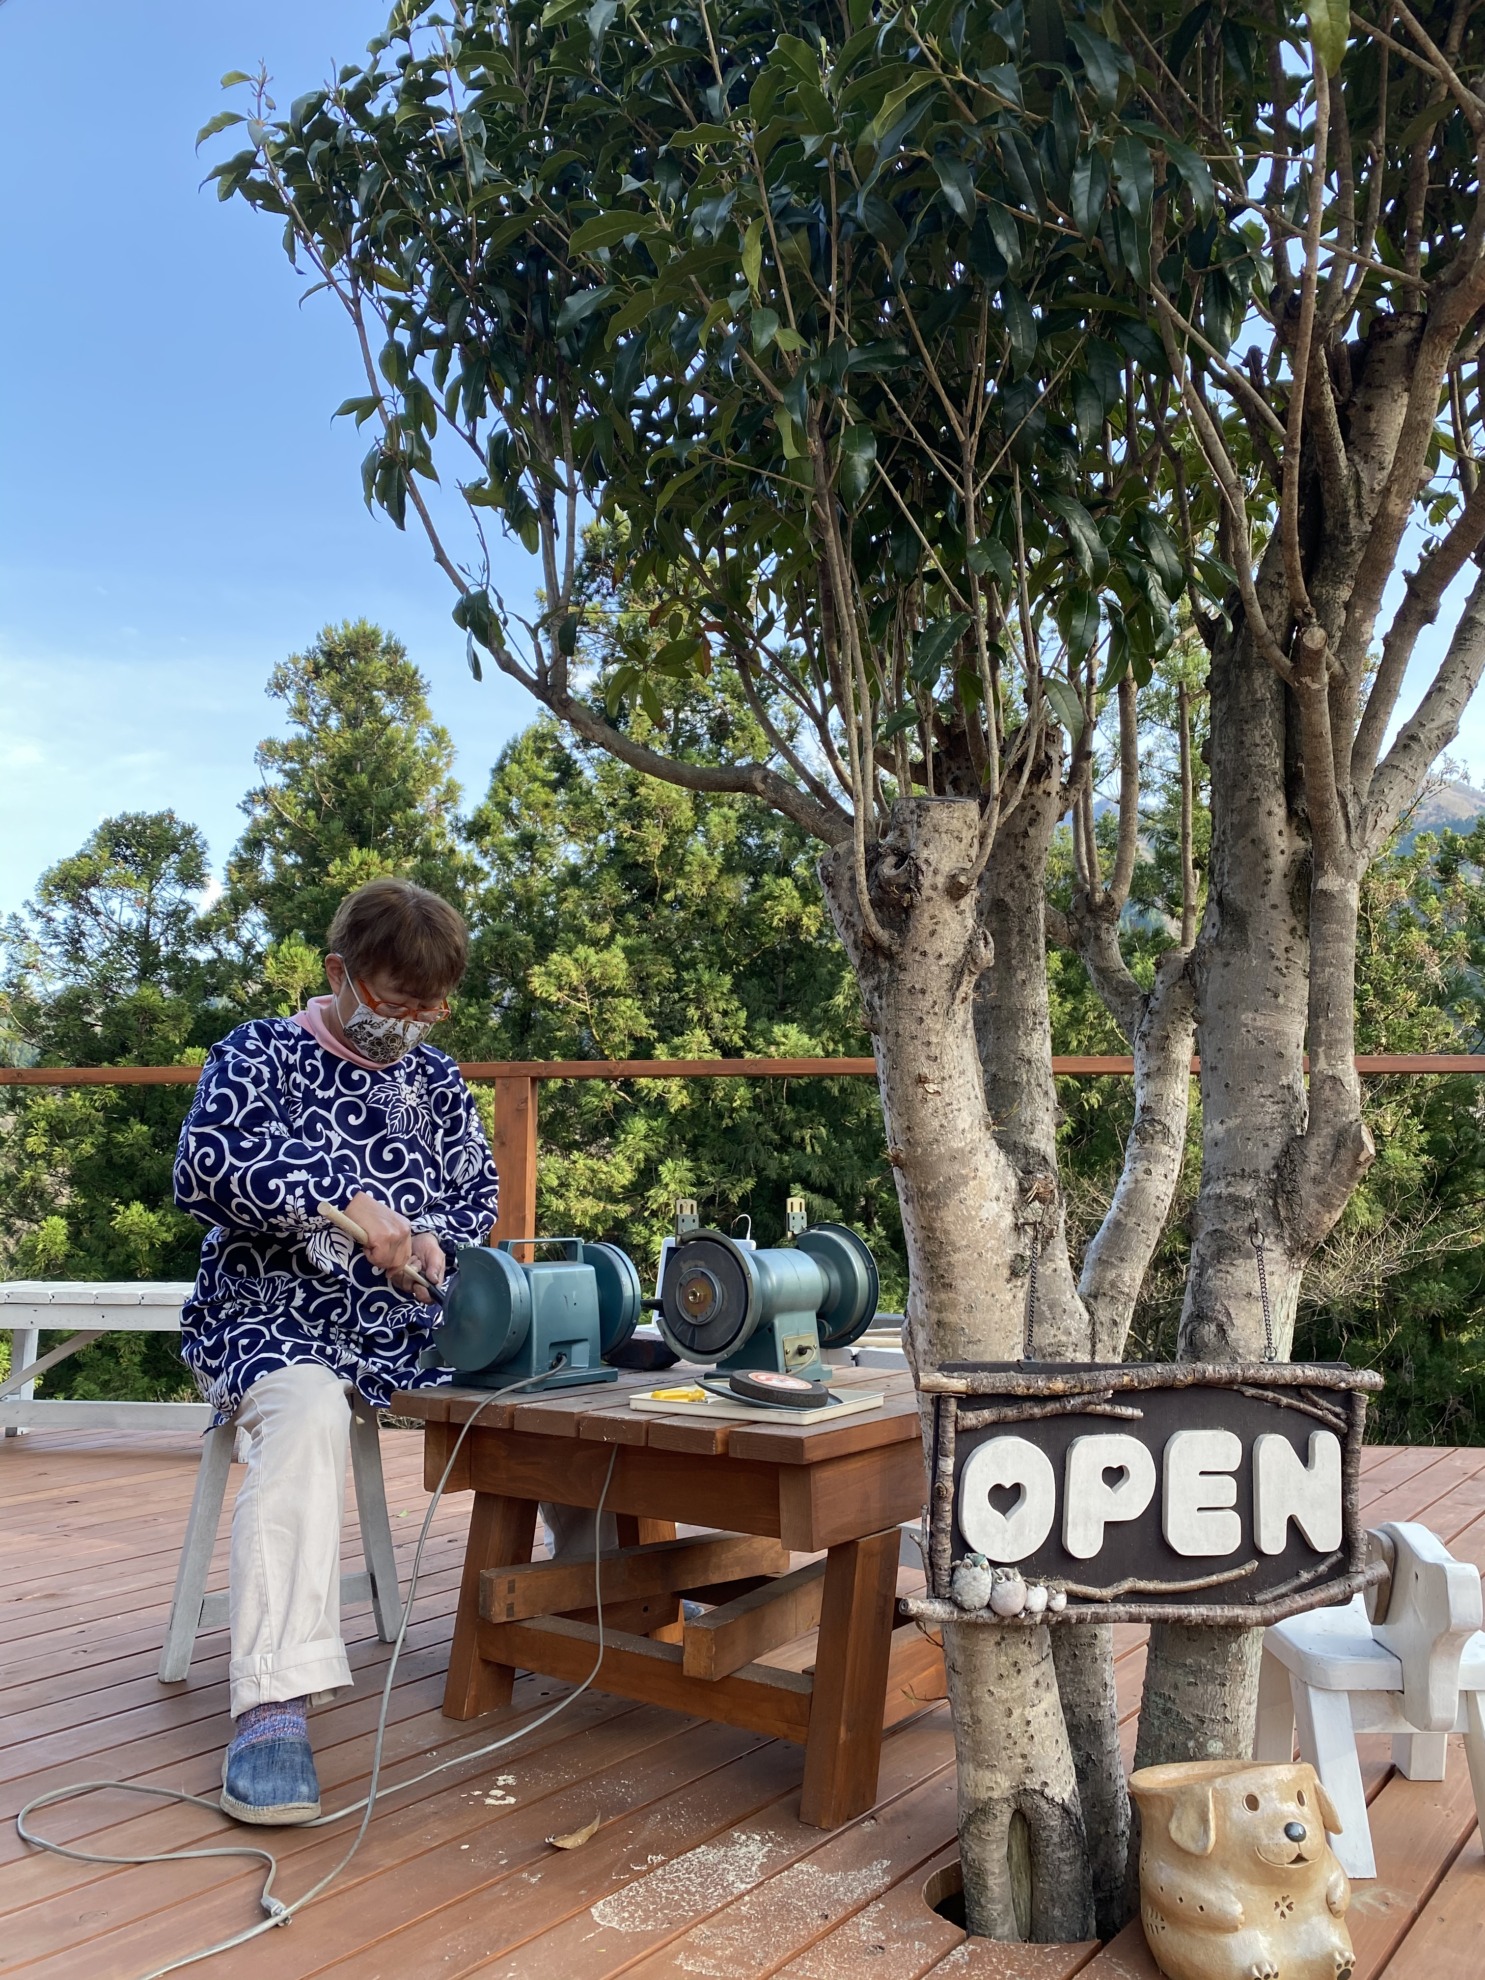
(278, 1912)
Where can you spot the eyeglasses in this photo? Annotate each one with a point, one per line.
(417, 1014)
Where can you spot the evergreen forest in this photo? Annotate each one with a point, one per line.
(617, 917)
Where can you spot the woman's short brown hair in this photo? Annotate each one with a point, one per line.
(413, 938)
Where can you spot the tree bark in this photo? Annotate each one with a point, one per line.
(1014, 1762)
(1118, 1256)
(962, 1215)
(1013, 1024)
(1251, 970)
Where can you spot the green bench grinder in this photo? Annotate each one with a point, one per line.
(724, 1301)
(549, 1323)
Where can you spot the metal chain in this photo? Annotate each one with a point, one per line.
(1255, 1238)
(1038, 1194)
(1036, 1252)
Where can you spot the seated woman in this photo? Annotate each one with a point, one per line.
(344, 1104)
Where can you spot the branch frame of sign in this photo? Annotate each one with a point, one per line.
(968, 1398)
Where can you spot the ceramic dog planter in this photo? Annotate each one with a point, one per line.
(1237, 1880)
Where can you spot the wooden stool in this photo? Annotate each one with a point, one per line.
(192, 1609)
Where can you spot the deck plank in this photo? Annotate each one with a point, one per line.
(700, 1864)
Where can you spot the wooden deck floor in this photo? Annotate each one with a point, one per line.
(700, 1866)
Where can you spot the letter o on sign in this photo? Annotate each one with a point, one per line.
(1019, 1531)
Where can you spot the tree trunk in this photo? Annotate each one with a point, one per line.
(961, 1201)
(1119, 1254)
(1252, 976)
(1013, 1024)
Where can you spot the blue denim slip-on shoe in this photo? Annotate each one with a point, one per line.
(271, 1782)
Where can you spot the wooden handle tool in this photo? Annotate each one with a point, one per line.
(354, 1231)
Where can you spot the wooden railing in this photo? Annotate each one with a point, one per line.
(516, 1082)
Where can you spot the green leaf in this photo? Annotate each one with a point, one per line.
(675, 657)
(800, 56)
(752, 253)
(1195, 170)
(903, 719)
(1102, 61)
(475, 615)
(880, 356)
(617, 686)
(1087, 544)
(698, 134)
(1021, 326)
(1089, 192)
(1134, 175)
(222, 121)
(934, 644)
(765, 328)
(886, 117)
(1077, 619)
(958, 183)
(1065, 705)
(608, 229)
(674, 486)
(363, 408)
(858, 452)
(989, 557)
(1330, 30)
(580, 306)
(235, 76)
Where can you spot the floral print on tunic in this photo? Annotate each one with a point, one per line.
(279, 1125)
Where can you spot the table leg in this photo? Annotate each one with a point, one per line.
(501, 1533)
(635, 1532)
(844, 1747)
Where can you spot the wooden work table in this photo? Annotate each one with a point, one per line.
(764, 1491)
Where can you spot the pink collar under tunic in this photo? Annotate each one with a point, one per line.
(315, 1022)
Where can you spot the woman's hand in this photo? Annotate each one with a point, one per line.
(389, 1237)
(427, 1255)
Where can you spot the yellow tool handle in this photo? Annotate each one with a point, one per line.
(353, 1230)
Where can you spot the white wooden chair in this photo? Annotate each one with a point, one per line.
(1415, 1669)
(192, 1609)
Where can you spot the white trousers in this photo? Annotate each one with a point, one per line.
(285, 1567)
(285, 1571)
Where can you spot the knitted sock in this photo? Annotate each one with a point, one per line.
(283, 1719)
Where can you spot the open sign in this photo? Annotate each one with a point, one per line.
(1173, 1491)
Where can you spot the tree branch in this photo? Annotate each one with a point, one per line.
(1188, 859)
(1421, 600)
(1129, 796)
(1432, 726)
(1117, 1259)
(745, 779)
(1304, 337)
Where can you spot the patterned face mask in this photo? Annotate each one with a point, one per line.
(384, 1039)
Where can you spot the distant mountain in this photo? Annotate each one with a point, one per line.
(1453, 808)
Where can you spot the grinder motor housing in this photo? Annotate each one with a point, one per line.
(549, 1323)
(725, 1302)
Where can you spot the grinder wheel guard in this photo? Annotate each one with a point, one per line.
(710, 1298)
(715, 1293)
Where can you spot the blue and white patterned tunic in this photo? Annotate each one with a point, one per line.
(280, 1125)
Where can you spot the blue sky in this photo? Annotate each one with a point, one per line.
(177, 511)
